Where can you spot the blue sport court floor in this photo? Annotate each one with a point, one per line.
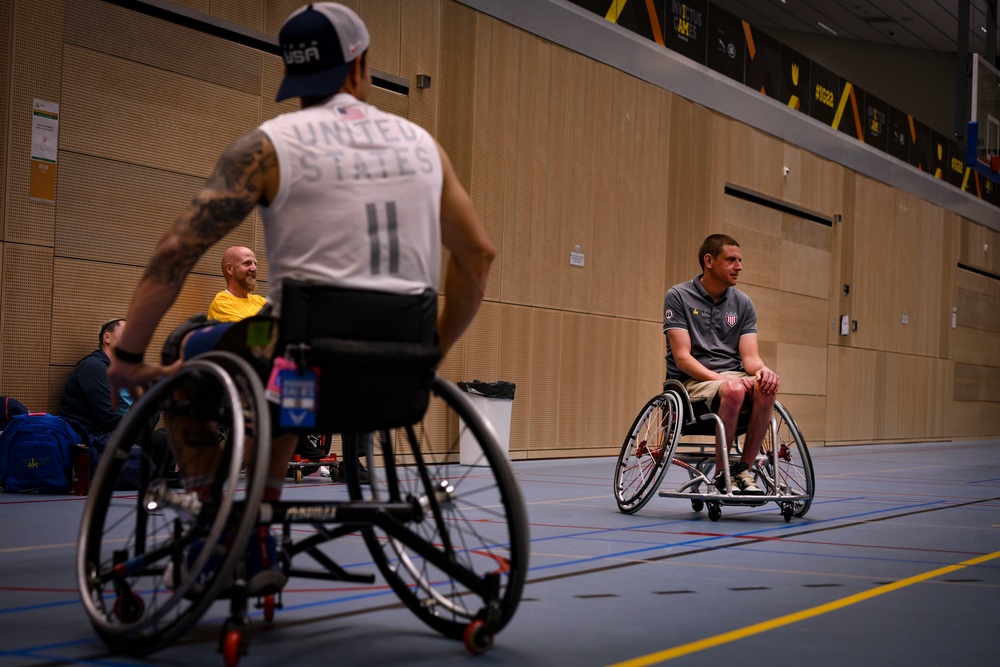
(896, 563)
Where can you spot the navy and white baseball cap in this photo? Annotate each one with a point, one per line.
(319, 42)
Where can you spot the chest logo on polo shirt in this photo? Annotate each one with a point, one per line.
(694, 311)
(731, 318)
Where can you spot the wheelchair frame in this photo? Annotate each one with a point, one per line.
(783, 468)
(142, 590)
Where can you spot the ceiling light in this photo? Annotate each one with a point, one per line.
(826, 27)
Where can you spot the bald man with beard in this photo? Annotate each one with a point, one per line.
(237, 301)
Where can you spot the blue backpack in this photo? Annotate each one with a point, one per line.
(36, 453)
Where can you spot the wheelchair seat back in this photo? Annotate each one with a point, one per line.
(375, 351)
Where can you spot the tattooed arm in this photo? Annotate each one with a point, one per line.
(245, 175)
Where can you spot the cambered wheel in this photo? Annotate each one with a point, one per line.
(647, 451)
(784, 464)
(468, 549)
(139, 585)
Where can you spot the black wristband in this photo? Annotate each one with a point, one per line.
(128, 357)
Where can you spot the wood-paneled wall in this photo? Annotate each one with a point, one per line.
(560, 154)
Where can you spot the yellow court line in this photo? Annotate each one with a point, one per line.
(757, 628)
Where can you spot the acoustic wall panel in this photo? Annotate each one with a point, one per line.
(5, 59)
(574, 374)
(523, 108)
(26, 326)
(383, 20)
(545, 378)
(420, 53)
(851, 392)
(128, 112)
(482, 344)
(597, 420)
(32, 51)
(550, 166)
(582, 169)
(606, 183)
(802, 368)
(123, 33)
(652, 222)
(489, 147)
(515, 365)
(249, 13)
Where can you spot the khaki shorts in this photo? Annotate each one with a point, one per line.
(708, 389)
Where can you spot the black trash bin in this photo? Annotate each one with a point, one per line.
(494, 400)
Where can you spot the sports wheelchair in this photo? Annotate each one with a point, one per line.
(452, 544)
(783, 469)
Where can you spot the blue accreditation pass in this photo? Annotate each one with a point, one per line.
(299, 391)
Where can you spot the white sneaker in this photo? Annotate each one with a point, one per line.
(324, 471)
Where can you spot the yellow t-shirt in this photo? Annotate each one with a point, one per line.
(227, 307)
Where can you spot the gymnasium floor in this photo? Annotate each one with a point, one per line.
(896, 563)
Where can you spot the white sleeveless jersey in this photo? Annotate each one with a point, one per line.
(359, 200)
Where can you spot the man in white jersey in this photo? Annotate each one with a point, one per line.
(350, 196)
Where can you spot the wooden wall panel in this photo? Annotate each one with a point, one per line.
(547, 255)
(545, 380)
(123, 33)
(420, 53)
(573, 374)
(805, 257)
(758, 231)
(32, 51)
(597, 420)
(694, 181)
(802, 369)
(628, 187)
(606, 183)
(163, 120)
(915, 392)
(515, 366)
(523, 142)
(133, 203)
(488, 188)
(482, 344)
(76, 322)
(851, 391)
(6, 26)
(383, 20)
(249, 13)
(26, 325)
(627, 390)
(654, 146)
(581, 171)
(978, 246)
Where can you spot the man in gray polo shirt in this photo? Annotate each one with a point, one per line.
(711, 330)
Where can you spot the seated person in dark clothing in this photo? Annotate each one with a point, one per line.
(86, 400)
(86, 397)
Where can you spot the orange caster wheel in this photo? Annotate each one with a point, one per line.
(477, 638)
(233, 646)
(268, 608)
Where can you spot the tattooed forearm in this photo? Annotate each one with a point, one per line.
(241, 167)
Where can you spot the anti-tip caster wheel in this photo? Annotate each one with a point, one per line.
(786, 511)
(697, 505)
(477, 638)
(714, 511)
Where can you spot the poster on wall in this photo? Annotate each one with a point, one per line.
(848, 118)
(794, 83)
(920, 146)
(684, 25)
(44, 150)
(898, 139)
(726, 43)
(762, 70)
(824, 91)
(876, 123)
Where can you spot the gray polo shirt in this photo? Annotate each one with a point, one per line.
(715, 327)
